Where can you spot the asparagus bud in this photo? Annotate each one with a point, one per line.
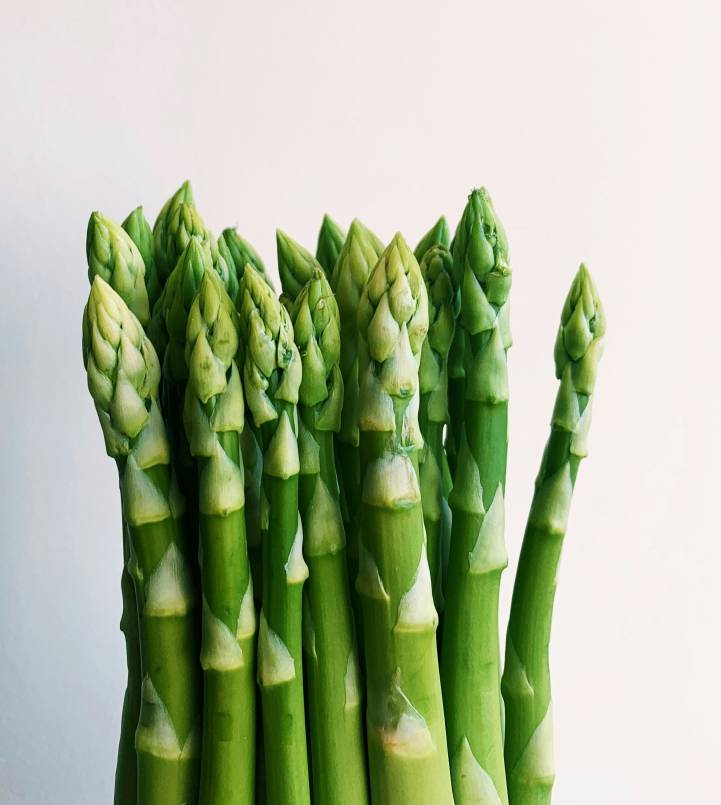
(138, 228)
(113, 256)
(295, 265)
(330, 242)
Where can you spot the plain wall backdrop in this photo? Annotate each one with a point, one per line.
(595, 126)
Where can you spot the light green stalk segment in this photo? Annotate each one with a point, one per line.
(113, 256)
(138, 228)
(470, 667)
(271, 377)
(359, 254)
(123, 376)
(295, 265)
(526, 676)
(214, 419)
(437, 235)
(335, 701)
(330, 242)
(443, 305)
(242, 253)
(406, 733)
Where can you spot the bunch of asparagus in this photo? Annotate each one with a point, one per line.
(312, 492)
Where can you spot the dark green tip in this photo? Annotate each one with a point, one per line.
(330, 242)
(437, 235)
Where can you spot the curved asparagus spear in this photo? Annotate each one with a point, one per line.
(295, 264)
(138, 228)
(113, 256)
(123, 375)
(359, 254)
(336, 720)
(406, 735)
(470, 667)
(330, 241)
(242, 253)
(526, 676)
(437, 235)
(271, 377)
(443, 302)
(214, 414)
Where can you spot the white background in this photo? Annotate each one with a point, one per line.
(596, 127)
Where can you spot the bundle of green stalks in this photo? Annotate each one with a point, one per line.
(312, 490)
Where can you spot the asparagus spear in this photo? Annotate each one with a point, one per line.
(443, 303)
(177, 221)
(406, 734)
(241, 253)
(470, 652)
(138, 228)
(330, 241)
(123, 376)
(214, 414)
(336, 721)
(359, 254)
(295, 265)
(271, 376)
(437, 235)
(526, 676)
(113, 256)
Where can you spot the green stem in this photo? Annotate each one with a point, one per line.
(126, 772)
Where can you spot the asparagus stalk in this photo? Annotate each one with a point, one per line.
(138, 228)
(112, 256)
(296, 265)
(271, 376)
(242, 253)
(470, 651)
(437, 235)
(406, 734)
(526, 677)
(443, 303)
(359, 254)
(336, 721)
(214, 418)
(330, 242)
(177, 222)
(123, 376)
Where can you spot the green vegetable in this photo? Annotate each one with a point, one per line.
(470, 667)
(330, 242)
(335, 716)
(406, 734)
(113, 256)
(526, 676)
(141, 234)
(123, 375)
(443, 303)
(359, 254)
(437, 235)
(242, 253)
(295, 265)
(176, 223)
(271, 377)
(214, 418)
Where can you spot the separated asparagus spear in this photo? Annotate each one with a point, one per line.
(123, 376)
(271, 377)
(330, 242)
(335, 701)
(406, 734)
(470, 661)
(526, 676)
(214, 419)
